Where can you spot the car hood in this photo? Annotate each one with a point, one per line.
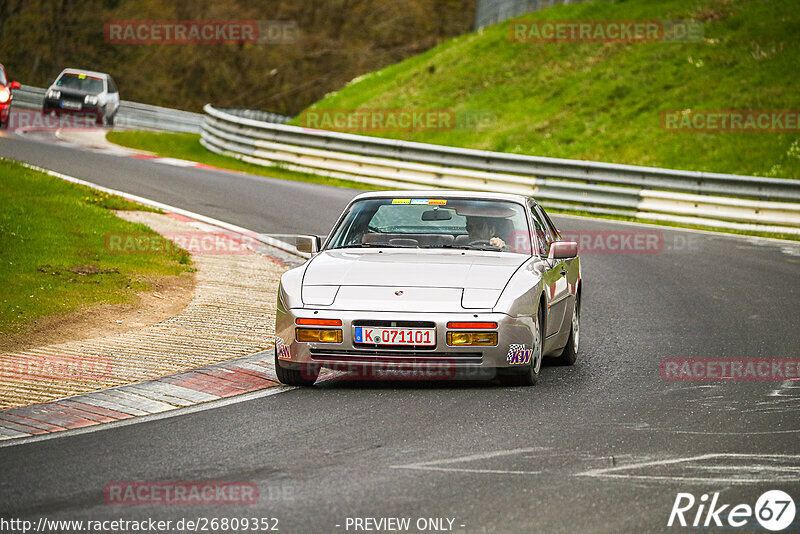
(419, 268)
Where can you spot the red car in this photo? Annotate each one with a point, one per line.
(5, 95)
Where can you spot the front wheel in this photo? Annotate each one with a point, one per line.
(570, 354)
(306, 376)
(531, 374)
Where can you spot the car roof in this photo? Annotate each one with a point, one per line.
(87, 72)
(439, 193)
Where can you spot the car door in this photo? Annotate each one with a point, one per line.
(555, 278)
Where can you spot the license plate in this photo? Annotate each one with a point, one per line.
(70, 105)
(395, 336)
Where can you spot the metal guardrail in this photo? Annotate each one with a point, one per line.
(488, 12)
(131, 115)
(256, 115)
(710, 199)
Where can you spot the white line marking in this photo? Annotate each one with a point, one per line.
(604, 470)
(464, 470)
(780, 469)
(210, 405)
(614, 472)
(706, 480)
(433, 465)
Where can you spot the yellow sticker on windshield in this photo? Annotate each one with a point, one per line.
(81, 76)
(422, 201)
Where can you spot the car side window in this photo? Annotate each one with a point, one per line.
(541, 243)
(112, 87)
(548, 232)
(552, 227)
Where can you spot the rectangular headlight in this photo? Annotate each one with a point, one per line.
(318, 335)
(481, 339)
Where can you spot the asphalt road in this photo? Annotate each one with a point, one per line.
(604, 446)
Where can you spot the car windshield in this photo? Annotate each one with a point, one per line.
(81, 82)
(493, 225)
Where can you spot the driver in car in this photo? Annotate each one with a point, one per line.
(484, 229)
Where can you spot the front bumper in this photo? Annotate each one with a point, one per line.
(460, 360)
(55, 106)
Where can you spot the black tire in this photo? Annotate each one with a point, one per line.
(570, 354)
(531, 375)
(110, 120)
(293, 377)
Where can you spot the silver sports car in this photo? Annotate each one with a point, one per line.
(431, 284)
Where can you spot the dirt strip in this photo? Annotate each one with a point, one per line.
(231, 314)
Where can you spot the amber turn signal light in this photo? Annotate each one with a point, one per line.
(480, 339)
(318, 335)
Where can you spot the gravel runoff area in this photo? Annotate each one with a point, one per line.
(231, 314)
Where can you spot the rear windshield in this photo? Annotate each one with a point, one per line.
(434, 223)
(81, 82)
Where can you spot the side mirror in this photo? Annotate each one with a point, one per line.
(14, 85)
(310, 244)
(560, 250)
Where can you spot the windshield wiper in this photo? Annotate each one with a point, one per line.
(374, 245)
(465, 247)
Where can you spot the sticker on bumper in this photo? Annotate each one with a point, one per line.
(519, 355)
(282, 349)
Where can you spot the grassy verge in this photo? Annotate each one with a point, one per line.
(187, 146)
(603, 101)
(53, 258)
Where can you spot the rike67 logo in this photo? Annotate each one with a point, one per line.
(774, 510)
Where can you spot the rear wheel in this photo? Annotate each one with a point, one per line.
(306, 376)
(570, 354)
(531, 375)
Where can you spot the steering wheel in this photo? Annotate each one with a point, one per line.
(481, 242)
